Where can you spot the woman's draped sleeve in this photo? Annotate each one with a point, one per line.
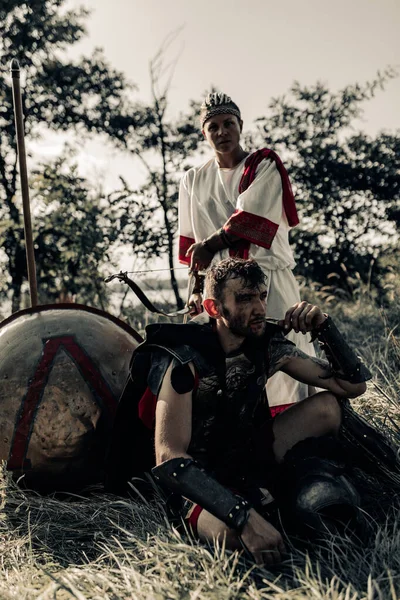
(186, 235)
(264, 192)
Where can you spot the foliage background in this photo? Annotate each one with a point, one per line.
(346, 183)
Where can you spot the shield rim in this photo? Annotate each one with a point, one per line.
(72, 306)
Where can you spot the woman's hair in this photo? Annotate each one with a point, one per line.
(217, 103)
(249, 271)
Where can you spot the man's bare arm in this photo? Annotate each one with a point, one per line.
(173, 421)
(314, 371)
(344, 375)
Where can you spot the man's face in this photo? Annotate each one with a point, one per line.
(222, 132)
(243, 309)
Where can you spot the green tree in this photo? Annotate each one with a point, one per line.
(164, 147)
(59, 94)
(75, 233)
(346, 183)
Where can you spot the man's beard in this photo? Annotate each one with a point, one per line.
(237, 326)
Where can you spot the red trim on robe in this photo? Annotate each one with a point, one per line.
(147, 408)
(184, 245)
(279, 408)
(249, 174)
(253, 228)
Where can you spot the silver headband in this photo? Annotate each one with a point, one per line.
(217, 103)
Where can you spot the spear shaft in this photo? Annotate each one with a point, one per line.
(23, 173)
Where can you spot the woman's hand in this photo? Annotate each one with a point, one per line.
(195, 304)
(200, 256)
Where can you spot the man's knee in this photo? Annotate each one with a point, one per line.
(315, 416)
(326, 410)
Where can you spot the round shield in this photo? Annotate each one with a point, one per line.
(62, 370)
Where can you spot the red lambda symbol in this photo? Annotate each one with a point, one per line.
(33, 397)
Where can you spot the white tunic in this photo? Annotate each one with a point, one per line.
(208, 196)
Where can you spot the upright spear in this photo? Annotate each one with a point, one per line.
(19, 125)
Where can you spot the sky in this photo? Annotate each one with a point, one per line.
(251, 50)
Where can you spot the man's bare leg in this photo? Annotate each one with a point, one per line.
(313, 417)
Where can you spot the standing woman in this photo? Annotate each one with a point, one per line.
(242, 204)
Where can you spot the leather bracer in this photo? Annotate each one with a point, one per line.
(186, 477)
(345, 363)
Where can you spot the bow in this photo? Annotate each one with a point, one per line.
(123, 276)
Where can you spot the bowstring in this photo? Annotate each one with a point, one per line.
(154, 270)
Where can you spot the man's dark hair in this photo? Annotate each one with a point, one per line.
(233, 268)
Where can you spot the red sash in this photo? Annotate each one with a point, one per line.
(253, 228)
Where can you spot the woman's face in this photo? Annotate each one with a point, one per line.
(222, 132)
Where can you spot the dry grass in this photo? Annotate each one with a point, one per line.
(102, 547)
